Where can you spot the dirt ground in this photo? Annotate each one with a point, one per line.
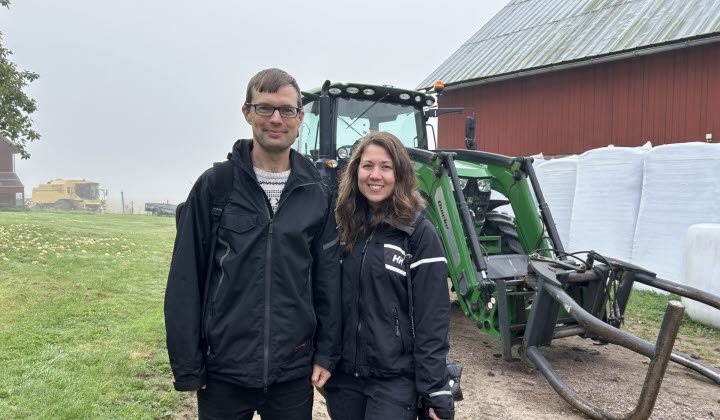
(609, 375)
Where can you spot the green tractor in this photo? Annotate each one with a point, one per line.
(511, 274)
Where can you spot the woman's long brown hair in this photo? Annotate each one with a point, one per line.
(355, 217)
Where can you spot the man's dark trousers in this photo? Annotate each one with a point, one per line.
(291, 400)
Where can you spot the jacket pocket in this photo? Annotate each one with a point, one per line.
(301, 349)
(231, 230)
(238, 223)
(398, 332)
(227, 243)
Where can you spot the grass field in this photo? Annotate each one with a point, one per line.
(81, 319)
(81, 324)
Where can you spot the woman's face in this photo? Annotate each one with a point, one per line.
(376, 175)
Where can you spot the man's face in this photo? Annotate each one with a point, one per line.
(274, 134)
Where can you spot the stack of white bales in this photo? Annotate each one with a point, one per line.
(557, 180)
(681, 187)
(701, 270)
(607, 197)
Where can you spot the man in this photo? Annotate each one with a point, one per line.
(249, 331)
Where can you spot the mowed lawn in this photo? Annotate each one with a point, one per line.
(81, 316)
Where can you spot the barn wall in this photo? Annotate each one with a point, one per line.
(666, 98)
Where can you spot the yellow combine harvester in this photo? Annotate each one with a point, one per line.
(69, 194)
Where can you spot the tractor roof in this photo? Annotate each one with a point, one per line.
(373, 93)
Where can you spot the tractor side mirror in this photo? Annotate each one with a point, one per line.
(470, 133)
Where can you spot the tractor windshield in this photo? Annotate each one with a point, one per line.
(355, 117)
(87, 191)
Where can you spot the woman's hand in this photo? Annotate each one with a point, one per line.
(434, 416)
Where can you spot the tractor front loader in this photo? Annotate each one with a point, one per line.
(511, 274)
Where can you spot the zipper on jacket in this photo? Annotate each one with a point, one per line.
(397, 323)
(215, 295)
(359, 299)
(222, 271)
(268, 272)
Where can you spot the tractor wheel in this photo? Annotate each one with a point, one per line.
(65, 205)
(504, 226)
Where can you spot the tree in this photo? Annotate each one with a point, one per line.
(15, 105)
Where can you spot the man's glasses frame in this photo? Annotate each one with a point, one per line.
(265, 110)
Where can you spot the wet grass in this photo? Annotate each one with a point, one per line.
(81, 325)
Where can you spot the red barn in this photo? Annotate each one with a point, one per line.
(566, 76)
(12, 191)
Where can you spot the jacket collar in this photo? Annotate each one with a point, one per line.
(409, 229)
(301, 169)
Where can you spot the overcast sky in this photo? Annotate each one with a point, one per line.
(142, 96)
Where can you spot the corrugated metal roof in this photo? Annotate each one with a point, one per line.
(529, 34)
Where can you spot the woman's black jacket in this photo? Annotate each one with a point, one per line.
(272, 304)
(377, 333)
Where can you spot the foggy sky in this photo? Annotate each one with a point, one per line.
(142, 96)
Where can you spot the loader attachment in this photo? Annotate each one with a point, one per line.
(550, 280)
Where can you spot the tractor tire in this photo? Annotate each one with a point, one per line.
(504, 226)
(64, 205)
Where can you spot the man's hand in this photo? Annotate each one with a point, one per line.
(319, 376)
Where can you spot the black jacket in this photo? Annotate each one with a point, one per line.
(377, 335)
(273, 302)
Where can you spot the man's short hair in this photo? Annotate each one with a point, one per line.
(270, 81)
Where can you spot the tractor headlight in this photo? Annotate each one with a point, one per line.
(463, 183)
(484, 185)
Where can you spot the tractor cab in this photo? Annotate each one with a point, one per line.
(357, 109)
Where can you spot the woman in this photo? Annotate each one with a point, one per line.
(387, 359)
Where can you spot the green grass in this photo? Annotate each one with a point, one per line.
(81, 324)
(645, 313)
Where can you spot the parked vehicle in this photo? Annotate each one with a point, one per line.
(69, 194)
(161, 209)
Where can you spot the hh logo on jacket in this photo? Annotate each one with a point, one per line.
(394, 259)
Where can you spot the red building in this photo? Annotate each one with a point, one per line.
(12, 191)
(566, 76)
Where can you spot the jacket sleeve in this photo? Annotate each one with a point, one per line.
(326, 292)
(185, 288)
(432, 311)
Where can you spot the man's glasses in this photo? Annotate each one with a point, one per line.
(266, 110)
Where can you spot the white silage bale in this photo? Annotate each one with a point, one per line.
(557, 181)
(607, 197)
(681, 187)
(701, 270)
